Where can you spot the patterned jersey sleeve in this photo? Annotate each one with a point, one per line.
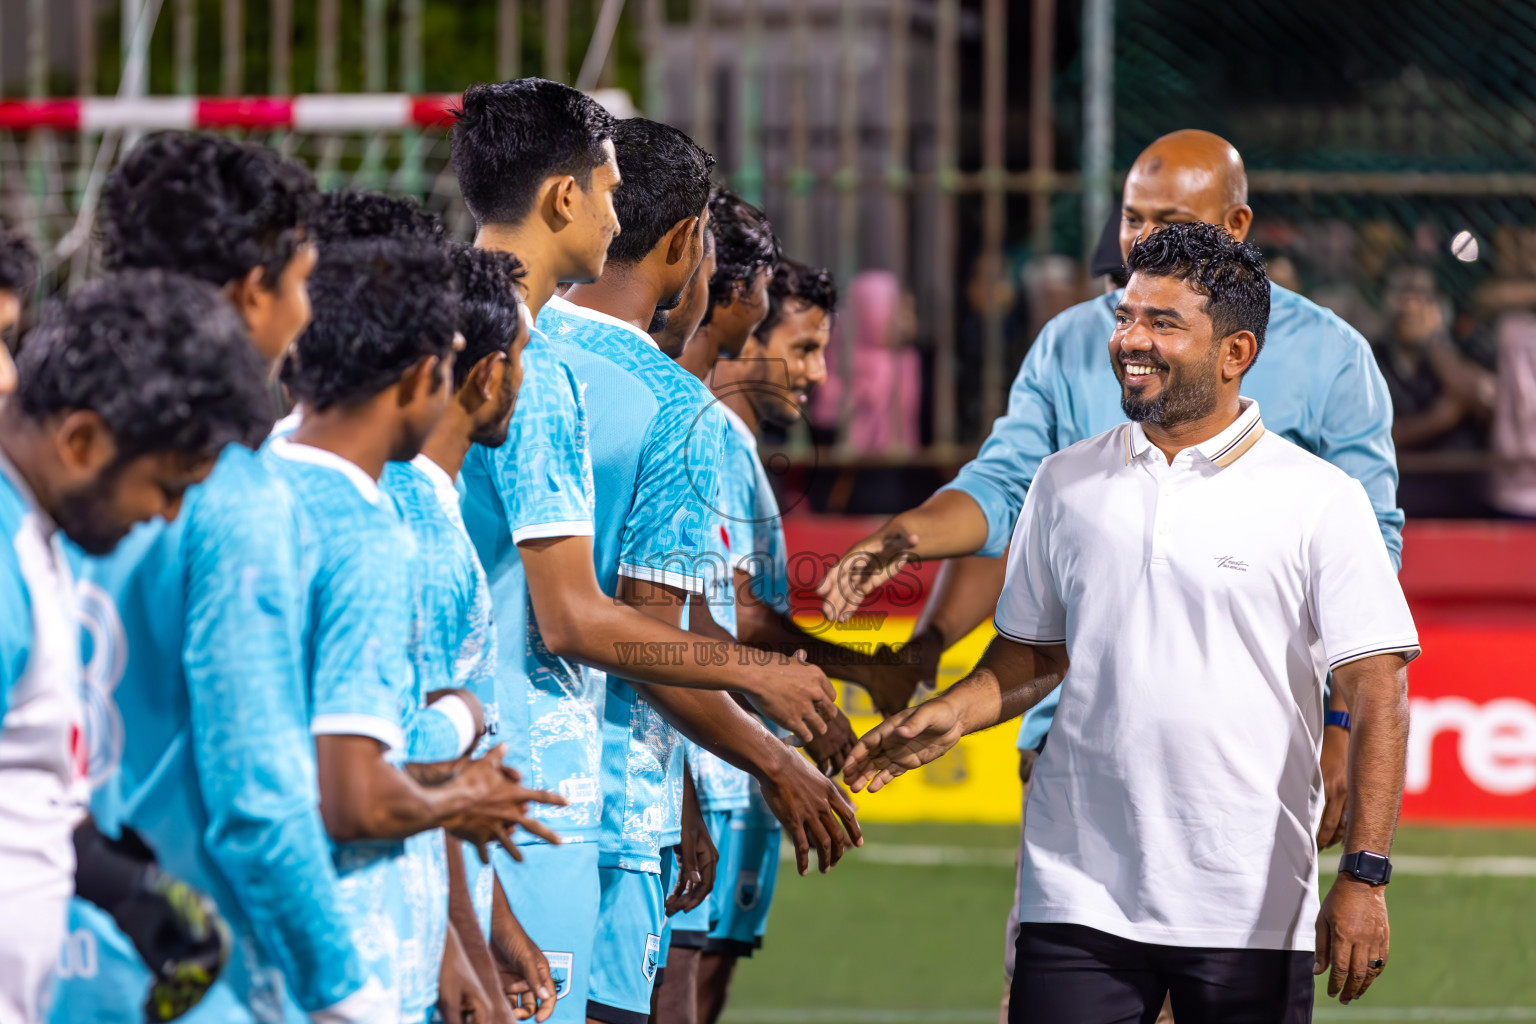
(667, 537)
(544, 470)
(362, 678)
(251, 738)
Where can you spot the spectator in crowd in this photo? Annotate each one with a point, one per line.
(1510, 301)
(886, 387)
(1442, 400)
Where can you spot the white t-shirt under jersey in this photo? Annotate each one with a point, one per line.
(1202, 604)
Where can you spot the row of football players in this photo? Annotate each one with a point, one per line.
(509, 549)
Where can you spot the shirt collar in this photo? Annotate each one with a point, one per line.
(737, 423)
(291, 450)
(442, 483)
(571, 309)
(1223, 449)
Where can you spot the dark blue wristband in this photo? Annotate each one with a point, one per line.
(1338, 718)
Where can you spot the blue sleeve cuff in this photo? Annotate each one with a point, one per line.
(995, 505)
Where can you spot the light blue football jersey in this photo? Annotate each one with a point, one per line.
(452, 646)
(358, 559)
(539, 485)
(754, 530)
(721, 786)
(656, 441)
(198, 727)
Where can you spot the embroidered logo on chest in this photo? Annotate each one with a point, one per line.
(1228, 562)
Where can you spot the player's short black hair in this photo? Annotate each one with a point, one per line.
(664, 179)
(811, 286)
(163, 359)
(507, 138)
(208, 207)
(380, 305)
(1230, 274)
(489, 304)
(352, 214)
(744, 245)
(18, 263)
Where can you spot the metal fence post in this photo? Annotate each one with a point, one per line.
(556, 28)
(994, 98)
(509, 39)
(946, 116)
(1042, 137)
(1098, 117)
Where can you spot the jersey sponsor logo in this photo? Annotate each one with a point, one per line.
(748, 892)
(560, 967)
(652, 957)
(108, 643)
(580, 789)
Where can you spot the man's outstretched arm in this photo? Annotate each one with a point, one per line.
(577, 620)
(812, 809)
(1352, 926)
(1010, 679)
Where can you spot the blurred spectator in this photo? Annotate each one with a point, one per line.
(1442, 400)
(1511, 300)
(886, 386)
(989, 290)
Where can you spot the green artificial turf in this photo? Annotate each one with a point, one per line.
(882, 943)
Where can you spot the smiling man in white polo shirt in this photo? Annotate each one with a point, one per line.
(1202, 577)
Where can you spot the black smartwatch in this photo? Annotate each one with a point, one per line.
(1370, 868)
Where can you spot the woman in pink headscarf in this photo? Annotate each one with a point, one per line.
(885, 390)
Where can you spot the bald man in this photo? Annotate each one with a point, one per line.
(1317, 384)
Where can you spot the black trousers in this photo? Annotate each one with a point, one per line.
(1068, 974)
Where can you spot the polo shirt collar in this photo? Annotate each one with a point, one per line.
(1223, 449)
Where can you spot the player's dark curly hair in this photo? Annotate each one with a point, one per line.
(18, 263)
(163, 359)
(664, 179)
(380, 306)
(744, 245)
(351, 214)
(811, 286)
(509, 137)
(489, 304)
(1230, 274)
(204, 206)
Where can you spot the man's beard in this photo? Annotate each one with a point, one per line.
(494, 434)
(1186, 396)
(86, 519)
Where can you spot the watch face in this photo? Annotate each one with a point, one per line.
(1368, 867)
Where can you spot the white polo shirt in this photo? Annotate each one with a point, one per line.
(1202, 604)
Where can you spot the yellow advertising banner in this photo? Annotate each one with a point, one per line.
(977, 782)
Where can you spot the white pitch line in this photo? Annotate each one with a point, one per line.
(1424, 1014)
(921, 856)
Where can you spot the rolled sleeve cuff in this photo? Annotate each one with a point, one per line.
(666, 577)
(1046, 635)
(995, 506)
(353, 724)
(564, 528)
(1409, 649)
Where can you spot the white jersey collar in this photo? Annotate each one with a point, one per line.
(367, 486)
(570, 308)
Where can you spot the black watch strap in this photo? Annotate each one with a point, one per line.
(1370, 868)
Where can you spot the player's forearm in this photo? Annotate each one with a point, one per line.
(463, 919)
(362, 796)
(948, 525)
(1010, 679)
(1376, 690)
(765, 628)
(718, 724)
